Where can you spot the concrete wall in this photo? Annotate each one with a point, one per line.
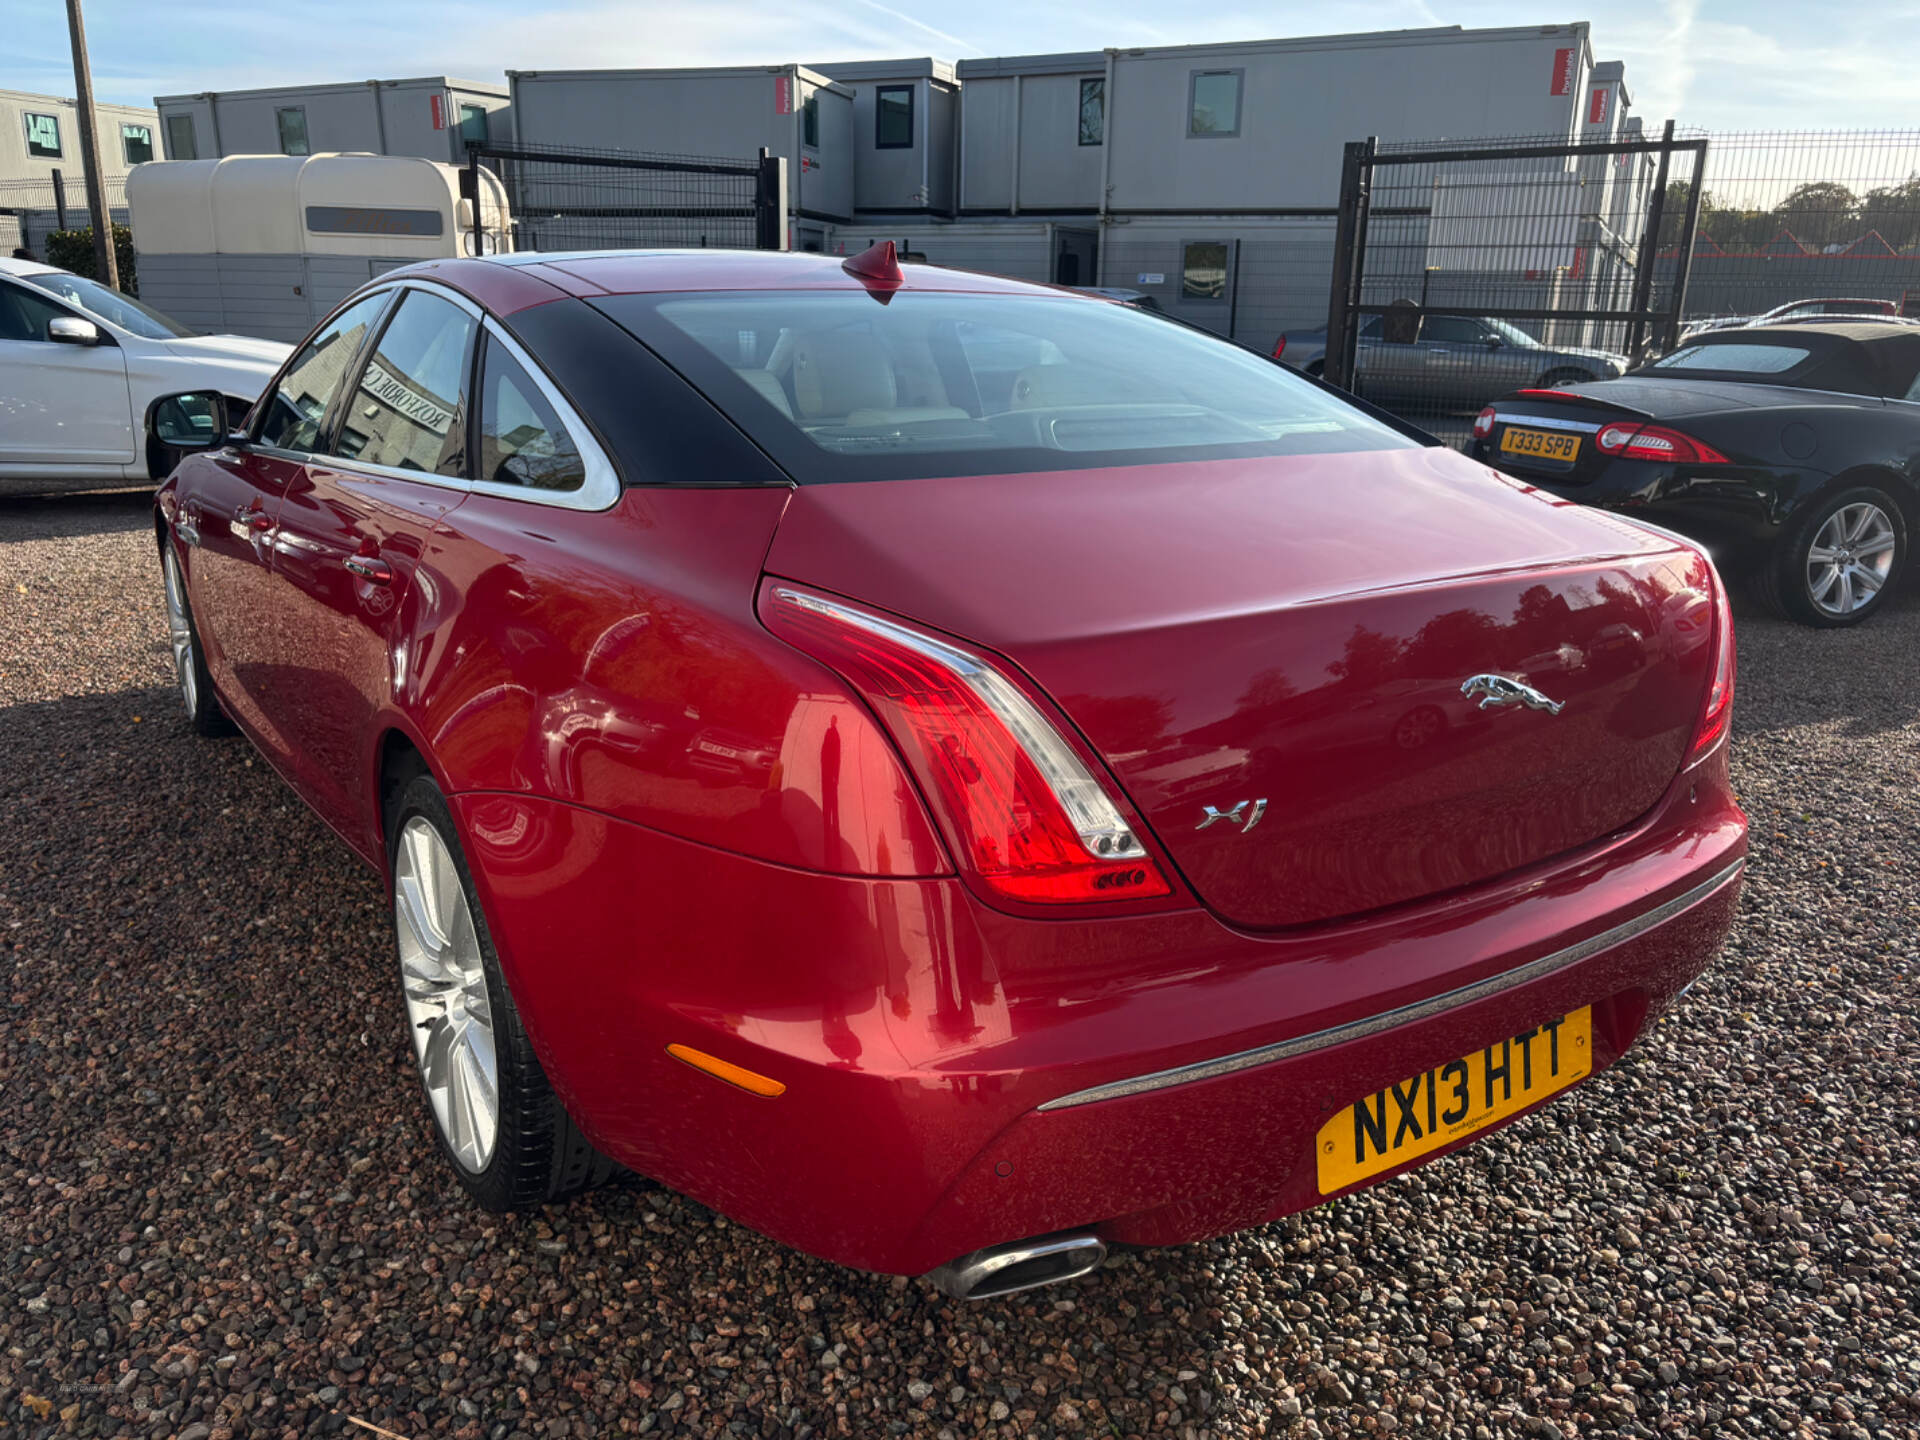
(379, 117)
(18, 167)
(723, 113)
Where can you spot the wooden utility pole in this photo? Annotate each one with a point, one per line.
(106, 262)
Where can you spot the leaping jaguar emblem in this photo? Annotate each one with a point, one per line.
(1498, 690)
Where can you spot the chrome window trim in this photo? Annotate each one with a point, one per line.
(1405, 1014)
(598, 491)
(1502, 418)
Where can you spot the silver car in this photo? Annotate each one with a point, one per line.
(1458, 362)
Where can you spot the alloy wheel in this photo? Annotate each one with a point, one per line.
(1850, 558)
(445, 981)
(180, 634)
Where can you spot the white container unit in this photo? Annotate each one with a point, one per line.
(266, 245)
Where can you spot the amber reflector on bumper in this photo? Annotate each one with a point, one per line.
(733, 1074)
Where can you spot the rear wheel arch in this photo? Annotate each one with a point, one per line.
(397, 760)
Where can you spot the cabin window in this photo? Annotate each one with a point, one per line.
(43, 136)
(893, 117)
(1203, 270)
(1093, 111)
(473, 124)
(136, 143)
(293, 130)
(180, 144)
(1214, 103)
(810, 121)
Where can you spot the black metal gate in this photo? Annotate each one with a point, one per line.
(567, 198)
(1465, 271)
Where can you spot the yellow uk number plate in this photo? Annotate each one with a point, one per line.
(1422, 1114)
(1541, 444)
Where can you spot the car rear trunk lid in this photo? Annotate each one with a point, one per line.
(1298, 631)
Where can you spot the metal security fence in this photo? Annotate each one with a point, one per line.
(1787, 218)
(1500, 264)
(30, 210)
(1465, 270)
(566, 198)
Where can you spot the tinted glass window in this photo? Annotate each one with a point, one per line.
(24, 316)
(522, 441)
(1736, 359)
(810, 121)
(1203, 270)
(293, 131)
(1093, 111)
(473, 124)
(291, 416)
(1216, 103)
(180, 138)
(893, 116)
(43, 136)
(136, 141)
(1454, 330)
(836, 387)
(409, 410)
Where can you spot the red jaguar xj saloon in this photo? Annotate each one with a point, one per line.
(954, 774)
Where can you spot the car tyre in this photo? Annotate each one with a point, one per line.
(189, 660)
(1832, 552)
(496, 1118)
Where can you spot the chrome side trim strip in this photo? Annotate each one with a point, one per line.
(1406, 1014)
(1551, 422)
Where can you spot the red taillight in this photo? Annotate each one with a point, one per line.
(1030, 819)
(1483, 423)
(1654, 442)
(1718, 711)
(1279, 347)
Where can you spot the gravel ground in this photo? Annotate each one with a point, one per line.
(221, 1214)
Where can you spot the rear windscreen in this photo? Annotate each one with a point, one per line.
(1734, 359)
(837, 385)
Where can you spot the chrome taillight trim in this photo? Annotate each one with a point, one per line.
(1406, 1014)
(1088, 808)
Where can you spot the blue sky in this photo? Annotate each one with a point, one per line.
(1762, 64)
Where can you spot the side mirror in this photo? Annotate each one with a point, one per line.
(1494, 342)
(72, 330)
(193, 420)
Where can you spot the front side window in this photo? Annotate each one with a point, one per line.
(893, 117)
(136, 143)
(409, 410)
(115, 307)
(810, 121)
(43, 136)
(1203, 270)
(1214, 107)
(522, 441)
(1093, 111)
(24, 316)
(293, 131)
(180, 144)
(838, 388)
(473, 124)
(291, 417)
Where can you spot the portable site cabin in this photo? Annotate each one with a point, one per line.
(266, 245)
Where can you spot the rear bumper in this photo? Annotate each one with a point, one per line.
(957, 1078)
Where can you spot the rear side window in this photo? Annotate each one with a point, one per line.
(409, 410)
(836, 387)
(1734, 359)
(291, 416)
(522, 441)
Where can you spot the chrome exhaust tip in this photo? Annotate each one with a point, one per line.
(1024, 1265)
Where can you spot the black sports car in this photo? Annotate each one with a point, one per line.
(1790, 450)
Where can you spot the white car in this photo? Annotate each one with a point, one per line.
(79, 365)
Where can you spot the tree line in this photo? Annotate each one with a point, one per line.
(1819, 214)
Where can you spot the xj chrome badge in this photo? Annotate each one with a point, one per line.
(1239, 815)
(1498, 690)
